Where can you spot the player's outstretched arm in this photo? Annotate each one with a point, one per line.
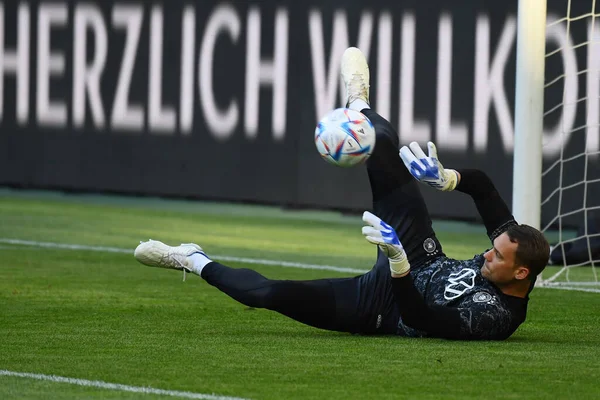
(493, 210)
(427, 168)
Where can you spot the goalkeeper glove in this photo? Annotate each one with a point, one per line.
(384, 236)
(428, 169)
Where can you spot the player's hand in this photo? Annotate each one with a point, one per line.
(428, 169)
(384, 236)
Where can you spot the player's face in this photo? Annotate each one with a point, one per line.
(499, 266)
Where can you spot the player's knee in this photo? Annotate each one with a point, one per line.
(256, 298)
(271, 296)
(276, 295)
(289, 296)
(386, 137)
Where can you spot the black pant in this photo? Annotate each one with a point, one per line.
(363, 304)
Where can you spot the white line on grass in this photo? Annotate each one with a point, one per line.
(116, 386)
(216, 257)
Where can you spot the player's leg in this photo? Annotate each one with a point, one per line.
(327, 303)
(397, 199)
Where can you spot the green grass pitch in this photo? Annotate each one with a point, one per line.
(101, 316)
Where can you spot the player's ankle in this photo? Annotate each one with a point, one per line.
(358, 105)
(199, 261)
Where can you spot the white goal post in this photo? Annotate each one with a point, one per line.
(532, 84)
(529, 111)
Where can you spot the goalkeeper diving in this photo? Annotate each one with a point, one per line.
(413, 289)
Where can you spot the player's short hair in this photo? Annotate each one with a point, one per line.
(533, 250)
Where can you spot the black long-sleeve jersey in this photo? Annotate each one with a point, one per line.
(450, 298)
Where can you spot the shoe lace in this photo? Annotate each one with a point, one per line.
(357, 88)
(169, 257)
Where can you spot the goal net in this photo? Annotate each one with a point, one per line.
(570, 205)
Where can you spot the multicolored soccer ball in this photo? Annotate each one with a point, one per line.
(345, 137)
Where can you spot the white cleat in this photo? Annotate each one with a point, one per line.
(157, 254)
(355, 73)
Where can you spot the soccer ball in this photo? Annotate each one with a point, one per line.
(345, 137)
